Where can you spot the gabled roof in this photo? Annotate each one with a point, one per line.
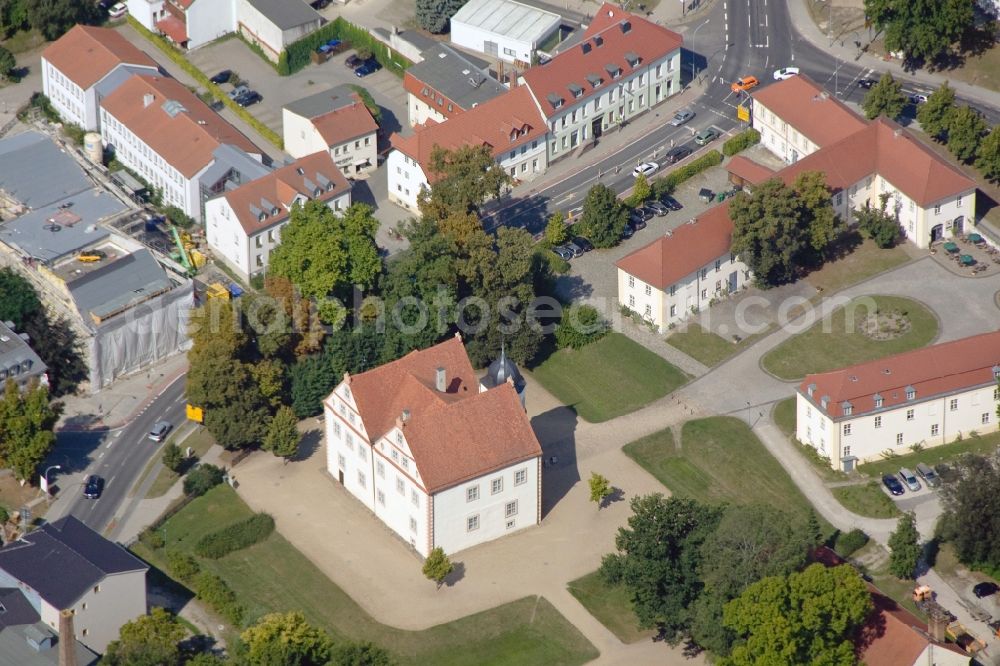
(338, 114)
(670, 258)
(614, 41)
(174, 28)
(457, 78)
(939, 369)
(455, 435)
(254, 203)
(287, 14)
(893, 636)
(503, 123)
(748, 170)
(172, 121)
(86, 54)
(64, 559)
(811, 110)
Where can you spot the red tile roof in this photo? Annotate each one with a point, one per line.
(186, 139)
(346, 123)
(174, 28)
(456, 435)
(807, 107)
(492, 124)
(748, 170)
(86, 54)
(415, 87)
(611, 36)
(893, 636)
(282, 187)
(690, 246)
(936, 370)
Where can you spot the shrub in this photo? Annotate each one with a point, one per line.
(182, 565)
(151, 538)
(4, 515)
(235, 537)
(740, 142)
(580, 326)
(213, 591)
(173, 457)
(849, 543)
(202, 479)
(368, 100)
(669, 183)
(178, 217)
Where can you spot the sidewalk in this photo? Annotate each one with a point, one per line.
(803, 24)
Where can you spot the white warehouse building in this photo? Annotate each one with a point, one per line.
(503, 29)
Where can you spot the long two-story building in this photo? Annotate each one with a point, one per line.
(928, 396)
(335, 120)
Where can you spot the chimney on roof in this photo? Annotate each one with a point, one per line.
(898, 131)
(442, 380)
(347, 378)
(147, 99)
(67, 641)
(937, 622)
(626, 26)
(458, 335)
(405, 416)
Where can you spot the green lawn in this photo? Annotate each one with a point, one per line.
(866, 500)
(834, 344)
(610, 605)
(200, 440)
(933, 455)
(866, 260)
(609, 378)
(784, 416)
(703, 346)
(274, 576)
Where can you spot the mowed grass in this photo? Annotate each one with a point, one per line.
(983, 444)
(703, 346)
(864, 261)
(866, 500)
(274, 576)
(609, 378)
(784, 416)
(835, 343)
(200, 441)
(611, 605)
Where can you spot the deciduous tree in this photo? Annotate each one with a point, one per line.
(816, 209)
(7, 63)
(283, 437)
(148, 640)
(556, 232)
(18, 300)
(767, 234)
(173, 457)
(26, 421)
(284, 638)
(604, 217)
(965, 132)
(885, 98)
(879, 224)
(988, 158)
(921, 29)
(904, 548)
(641, 191)
(933, 115)
(600, 489)
(974, 492)
(437, 566)
(359, 654)
(465, 178)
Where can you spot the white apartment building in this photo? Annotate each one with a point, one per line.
(623, 66)
(243, 225)
(446, 83)
(683, 272)
(336, 121)
(85, 65)
(443, 458)
(503, 29)
(928, 396)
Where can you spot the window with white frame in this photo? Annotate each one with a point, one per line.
(986, 418)
(381, 497)
(395, 454)
(953, 404)
(631, 281)
(847, 450)
(909, 415)
(878, 421)
(510, 509)
(341, 461)
(472, 523)
(520, 476)
(472, 493)
(413, 524)
(349, 441)
(649, 290)
(510, 524)
(899, 438)
(361, 479)
(380, 469)
(934, 429)
(336, 429)
(415, 498)
(496, 485)
(847, 428)
(400, 485)
(362, 451)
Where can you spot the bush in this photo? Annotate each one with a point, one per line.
(202, 479)
(297, 54)
(151, 538)
(580, 326)
(213, 591)
(178, 217)
(173, 457)
(44, 105)
(235, 537)
(740, 142)
(182, 565)
(367, 99)
(4, 515)
(847, 544)
(669, 183)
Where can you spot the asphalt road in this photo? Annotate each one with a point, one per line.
(119, 456)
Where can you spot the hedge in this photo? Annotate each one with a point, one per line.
(847, 544)
(213, 591)
(740, 142)
(669, 183)
(297, 55)
(580, 326)
(179, 58)
(236, 536)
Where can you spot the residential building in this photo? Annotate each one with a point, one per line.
(189, 23)
(929, 396)
(26, 641)
(682, 272)
(66, 566)
(503, 29)
(509, 124)
(440, 458)
(244, 224)
(85, 65)
(162, 131)
(623, 66)
(446, 83)
(336, 121)
(274, 24)
(18, 361)
(802, 124)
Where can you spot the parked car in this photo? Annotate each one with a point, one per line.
(583, 243)
(249, 99)
(93, 486)
(641, 214)
(744, 84)
(574, 248)
(628, 231)
(645, 169)
(929, 476)
(563, 252)
(353, 61)
(866, 83)
(910, 479)
(918, 98)
(671, 203)
(332, 46)
(637, 223)
(222, 77)
(118, 10)
(658, 208)
(681, 117)
(892, 484)
(238, 91)
(217, 106)
(677, 154)
(159, 431)
(785, 73)
(984, 589)
(706, 136)
(367, 67)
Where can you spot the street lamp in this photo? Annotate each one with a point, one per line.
(693, 36)
(748, 413)
(46, 475)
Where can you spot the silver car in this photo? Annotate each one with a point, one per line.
(159, 431)
(929, 476)
(910, 479)
(681, 117)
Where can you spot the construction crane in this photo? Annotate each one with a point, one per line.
(182, 254)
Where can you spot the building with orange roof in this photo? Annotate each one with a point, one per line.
(683, 271)
(162, 131)
(446, 83)
(337, 121)
(84, 66)
(243, 225)
(929, 396)
(623, 66)
(442, 457)
(510, 125)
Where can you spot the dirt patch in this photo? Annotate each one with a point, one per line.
(881, 326)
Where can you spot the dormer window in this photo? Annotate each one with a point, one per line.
(878, 401)
(996, 372)
(262, 216)
(632, 58)
(811, 389)
(274, 211)
(847, 408)
(318, 191)
(614, 70)
(911, 393)
(329, 186)
(576, 90)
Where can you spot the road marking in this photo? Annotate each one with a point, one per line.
(112, 479)
(765, 20)
(118, 434)
(108, 445)
(100, 455)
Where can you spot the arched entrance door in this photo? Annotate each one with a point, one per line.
(937, 232)
(958, 225)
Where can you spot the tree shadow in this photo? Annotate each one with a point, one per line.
(928, 557)
(73, 449)
(570, 288)
(308, 445)
(529, 212)
(388, 124)
(457, 574)
(556, 430)
(874, 627)
(361, 192)
(617, 495)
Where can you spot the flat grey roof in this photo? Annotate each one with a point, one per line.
(460, 77)
(119, 285)
(232, 163)
(51, 233)
(16, 353)
(286, 13)
(15, 651)
(35, 171)
(421, 42)
(322, 102)
(508, 18)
